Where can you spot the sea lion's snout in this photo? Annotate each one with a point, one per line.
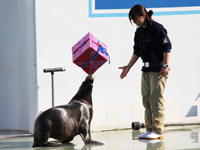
(89, 78)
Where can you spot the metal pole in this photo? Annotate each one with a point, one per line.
(52, 70)
(52, 88)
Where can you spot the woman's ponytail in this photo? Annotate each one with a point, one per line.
(150, 13)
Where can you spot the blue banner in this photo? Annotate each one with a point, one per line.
(127, 4)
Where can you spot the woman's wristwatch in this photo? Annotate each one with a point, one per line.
(165, 65)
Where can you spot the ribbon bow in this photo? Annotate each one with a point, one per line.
(102, 50)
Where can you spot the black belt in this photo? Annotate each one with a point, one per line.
(151, 64)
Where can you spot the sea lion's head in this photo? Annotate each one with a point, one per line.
(86, 86)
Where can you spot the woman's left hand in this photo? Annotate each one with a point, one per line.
(164, 71)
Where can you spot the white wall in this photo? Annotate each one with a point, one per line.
(17, 64)
(59, 27)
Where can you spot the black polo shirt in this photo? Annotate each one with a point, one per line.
(150, 43)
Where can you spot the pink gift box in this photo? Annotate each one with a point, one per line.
(89, 53)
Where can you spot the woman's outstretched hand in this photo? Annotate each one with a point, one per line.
(125, 70)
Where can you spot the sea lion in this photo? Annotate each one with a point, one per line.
(65, 122)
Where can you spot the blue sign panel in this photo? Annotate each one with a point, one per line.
(127, 4)
(101, 8)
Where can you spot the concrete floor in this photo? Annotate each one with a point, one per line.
(174, 138)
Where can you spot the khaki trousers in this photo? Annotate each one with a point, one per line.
(153, 87)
